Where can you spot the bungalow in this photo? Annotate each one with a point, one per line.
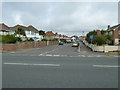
(4, 29)
(82, 37)
(30, 31)
(49, 35)
(56, 36)
(33, 33)
(115, 32)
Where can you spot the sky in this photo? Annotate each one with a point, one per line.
(69, 18)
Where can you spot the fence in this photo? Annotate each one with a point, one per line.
(27, 45)
(104, 48)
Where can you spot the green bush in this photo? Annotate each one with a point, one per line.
(31, 39)
(55, 39)
(44, 40)
(8, 39)
(50, 39)
(63, 40)
(18, 39)
(88, 40)
(100, 40)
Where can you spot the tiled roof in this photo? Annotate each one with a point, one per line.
(113, 27)
(31, 28)
(4, 27)
(50, 33)
(19, 26)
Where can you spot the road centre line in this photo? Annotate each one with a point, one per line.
(106, 66)
(28, 64)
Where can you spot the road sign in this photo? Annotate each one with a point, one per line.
(91, 36)
(35, 38)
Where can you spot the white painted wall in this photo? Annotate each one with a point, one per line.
(104, 48)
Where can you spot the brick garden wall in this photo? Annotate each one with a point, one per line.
(26, 45)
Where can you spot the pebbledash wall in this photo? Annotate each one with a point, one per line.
(104, 48)
(27, 45)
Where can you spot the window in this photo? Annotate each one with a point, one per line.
(111, 32)
(12, 32)
(32, 33)
(119, 32)
(28, 32)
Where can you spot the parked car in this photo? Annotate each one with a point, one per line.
(75, 44)
(37, 39)
(61, 43)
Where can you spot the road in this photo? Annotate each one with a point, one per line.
(59, 67)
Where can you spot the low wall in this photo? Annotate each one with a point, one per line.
(104, 48)
(27, 45)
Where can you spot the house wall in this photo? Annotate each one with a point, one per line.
(116, 35)
(49, 37)
(3, 33)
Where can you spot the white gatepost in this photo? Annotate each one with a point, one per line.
(47, 43)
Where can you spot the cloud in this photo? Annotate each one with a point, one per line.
(67, 18)
(17, 18)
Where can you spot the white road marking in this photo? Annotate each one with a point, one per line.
(106, 66)
(57, 65)
(98, 56)
(89, 56)
(12, 52)
(56, 55)
(48, 55)
(83, 55)
(63, 55)
(40, 55)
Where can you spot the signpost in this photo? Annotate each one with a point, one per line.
(91, 37)
(35, 38)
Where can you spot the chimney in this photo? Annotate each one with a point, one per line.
(108, 27)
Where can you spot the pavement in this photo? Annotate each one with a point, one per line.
(60, 66)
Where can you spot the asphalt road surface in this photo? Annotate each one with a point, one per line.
(59, 67)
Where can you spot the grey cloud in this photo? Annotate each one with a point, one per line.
(69, 18)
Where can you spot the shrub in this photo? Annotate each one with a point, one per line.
(31, 39)
(44, 40)
(50, 39)
(100, 40)
(8, 39)
(55, 40)
(88, 40)
(63, 40)
(18, 39)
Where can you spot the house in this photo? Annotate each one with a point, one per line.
(33, 33)
(82, 37)
(115, 32)
(56, 36)
(30, 31)
(13, 29)
(4, 29)
(98, 32)
(49, 35)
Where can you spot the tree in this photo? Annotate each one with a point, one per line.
(99, 40)
(109, 39)
(20, 31)
(89, 34)
(41, 32)
(103, 32)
